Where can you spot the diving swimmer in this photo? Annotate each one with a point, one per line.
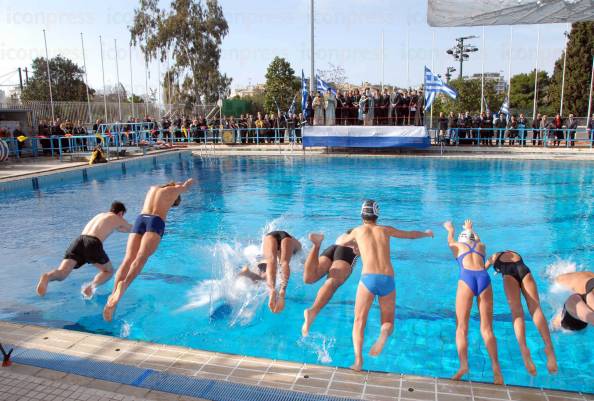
(278, 246)
(144, 238)
(578, 310)
(474, 281)
(518, 280)
(88, 248)
(377, 278)
(336, 262)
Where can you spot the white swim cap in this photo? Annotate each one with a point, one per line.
(467, 236)
(370, 209)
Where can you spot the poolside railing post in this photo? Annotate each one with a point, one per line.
(479, 136)
(60, 147)
(257, 136)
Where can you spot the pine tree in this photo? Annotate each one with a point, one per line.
(281, 86)
(580, 50)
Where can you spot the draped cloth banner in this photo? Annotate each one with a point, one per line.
(366, 137)
(507, 12)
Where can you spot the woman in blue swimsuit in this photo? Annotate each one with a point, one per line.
(474, 281)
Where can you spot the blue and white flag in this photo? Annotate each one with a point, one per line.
(323, 86)
(433, 86)
(505, 107)
(304, 93)
(487, 109)
(291, 110)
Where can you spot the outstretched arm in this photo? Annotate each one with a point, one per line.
(185, 186)
(394, 232)
(491, 260)
(124, 226)
(451, 241)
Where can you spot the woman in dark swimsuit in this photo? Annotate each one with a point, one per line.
(578, 310)
(278, 247)
(518, 280)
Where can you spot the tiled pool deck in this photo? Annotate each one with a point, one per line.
(29, 381)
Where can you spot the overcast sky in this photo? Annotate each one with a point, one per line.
(348, 34)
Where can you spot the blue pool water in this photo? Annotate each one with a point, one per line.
(186, 294)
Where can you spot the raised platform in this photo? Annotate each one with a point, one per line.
(356, 136)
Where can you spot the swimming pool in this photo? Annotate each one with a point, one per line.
(186, 295)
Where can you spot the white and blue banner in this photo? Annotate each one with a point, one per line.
(433, 86)
(323, 86)
(356, 136)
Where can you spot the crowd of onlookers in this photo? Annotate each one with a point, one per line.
(481, 129)
(368, 107)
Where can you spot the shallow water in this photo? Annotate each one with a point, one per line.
(187, 294)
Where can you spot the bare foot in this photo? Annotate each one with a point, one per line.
(357, 365)
(272, 300)
(309, 317)
(551, 361)
(42, 285)
(497, 377)
(528, 363)
(112, 302)
(316, 238)
(379, 344)
(461, 372)
(88, 291)
(280, 302)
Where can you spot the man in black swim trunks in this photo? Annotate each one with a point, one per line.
(278, 246)
(336, 262)
(88, 248)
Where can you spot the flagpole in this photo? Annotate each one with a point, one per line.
(432, 69)
(169, 85)
(382, 60)
(590, 102)
(564, 65)
(536, 72)
(49, 78)
(407, 59)
(509, 69)
(146, 98)
(82, 42)
(115, 44)
(103, 75)
(483, 74)
(131, 81)
(312, 77)
(159, 97)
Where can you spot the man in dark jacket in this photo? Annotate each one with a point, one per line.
(500, 125)
(572, 125)
(536, 130)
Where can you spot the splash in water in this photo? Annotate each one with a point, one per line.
(82, 291)
(227, 296)
(126, 329)
(557, 268)
(318, 344)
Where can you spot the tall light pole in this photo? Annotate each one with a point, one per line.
(461, 51)
(312, 79)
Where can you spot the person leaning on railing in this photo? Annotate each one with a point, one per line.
(590, 129)
(522, 124)
(558, 130)
(453, 127)
(572, 125)
(512, 130)
(486, 125)
(536, 134)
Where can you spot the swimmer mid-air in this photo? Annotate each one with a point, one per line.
(145, 238)
(518, 280)
(336, 262)
(88, 248)
(474, 281)
(578, 310)
(377, 278)
(278, 246)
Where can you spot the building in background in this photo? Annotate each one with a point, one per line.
(497, 77)
(248, 91)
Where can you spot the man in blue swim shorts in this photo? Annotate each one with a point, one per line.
(377, 277)
(144, 238)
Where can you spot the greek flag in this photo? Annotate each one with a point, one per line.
(291, 110)
(304, 92)
(323, 86)
(487, 109)
(433, 86)
(505, 107)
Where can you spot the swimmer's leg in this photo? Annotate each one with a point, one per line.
(532, 299)
(315, 266)
(58, 274)
(513, 294)
(387, 307)
(132, 248)
(485, 304)
(105, 273)
(148, 245)
(337, 275)
(363, 303)
(464, 300)
(270, 248)
(287, 247)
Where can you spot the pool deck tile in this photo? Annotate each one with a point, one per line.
(313, 379)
